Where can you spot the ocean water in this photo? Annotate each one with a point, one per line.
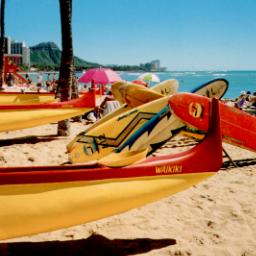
(188, 80)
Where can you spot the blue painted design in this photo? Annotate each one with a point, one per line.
(147, 127)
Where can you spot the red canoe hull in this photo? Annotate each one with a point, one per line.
(237, 127)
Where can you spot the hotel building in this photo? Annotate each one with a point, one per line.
(17, 52)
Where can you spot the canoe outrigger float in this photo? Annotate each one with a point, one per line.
(237, 126)
(15, 116)
(46, 198)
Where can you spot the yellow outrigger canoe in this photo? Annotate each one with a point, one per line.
(20, 116)
(7, 97)
(40, 199)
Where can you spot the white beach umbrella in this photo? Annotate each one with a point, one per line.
(150, 77)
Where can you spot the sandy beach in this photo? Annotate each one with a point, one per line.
(215, 217)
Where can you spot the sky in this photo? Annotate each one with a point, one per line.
(182, 34)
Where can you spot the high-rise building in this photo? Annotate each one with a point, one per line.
(17, 52)
(155, 64)
(26, 56)
(16, 47)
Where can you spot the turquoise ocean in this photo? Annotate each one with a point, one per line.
(188, 80)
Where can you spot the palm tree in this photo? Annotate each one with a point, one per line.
(67, 65)
(2, 43)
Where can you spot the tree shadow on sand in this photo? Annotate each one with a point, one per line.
(95, 245)
(31, 139)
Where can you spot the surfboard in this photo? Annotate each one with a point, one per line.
(215, 88)
(136, 132)
(135, 95)
(161, 127)
(167, 87)
(95, 143)
(237, 126)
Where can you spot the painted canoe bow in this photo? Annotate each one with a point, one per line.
(237, 126)
(20, 116)
(46, 198)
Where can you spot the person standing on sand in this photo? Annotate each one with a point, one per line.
(39, 83)
(9, 79)
(48, 83)
(53, 87)
(54, 78)
(29, 80)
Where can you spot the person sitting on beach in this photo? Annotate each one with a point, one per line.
(241, 100)
(108, 105)
(248, 96)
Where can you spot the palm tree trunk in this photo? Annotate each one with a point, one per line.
(66, 66)
(2, 44)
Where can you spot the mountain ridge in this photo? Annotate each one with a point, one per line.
(47, 55)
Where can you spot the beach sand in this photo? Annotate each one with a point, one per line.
(215, 217)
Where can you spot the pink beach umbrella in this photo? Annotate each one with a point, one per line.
(100, 76)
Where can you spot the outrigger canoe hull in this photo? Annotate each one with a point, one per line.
(16, 116)
(26, 97)
(30, 97)
(31, 209)
(40, 199)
